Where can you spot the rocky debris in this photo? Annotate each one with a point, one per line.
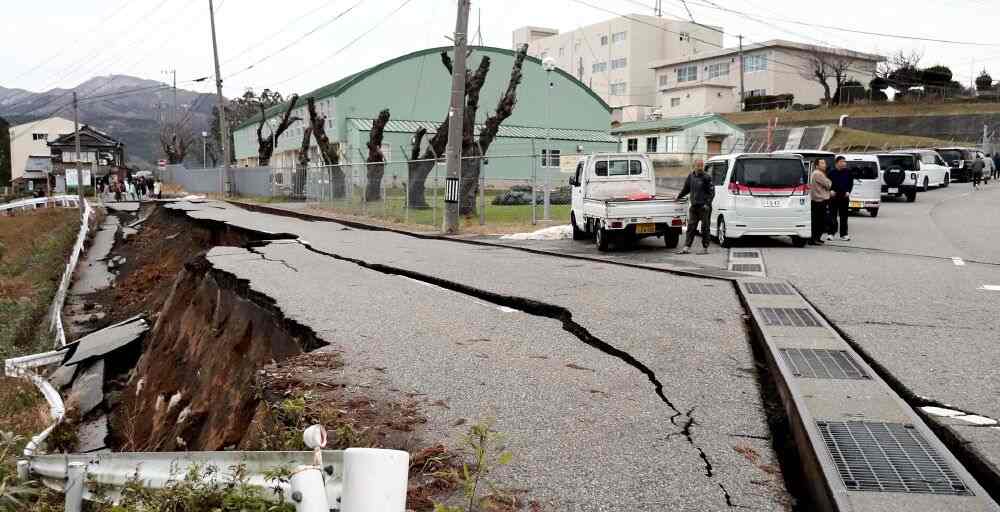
(521, 195)
(92, 434)
(88, 388)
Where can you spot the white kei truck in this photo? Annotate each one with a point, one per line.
(614, 201)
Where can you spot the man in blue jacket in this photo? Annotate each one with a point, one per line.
(840, 199)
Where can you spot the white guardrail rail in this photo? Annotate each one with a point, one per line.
(64, 201)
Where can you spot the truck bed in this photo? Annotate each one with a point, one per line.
(659, 209)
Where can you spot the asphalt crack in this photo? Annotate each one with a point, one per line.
(253, 250)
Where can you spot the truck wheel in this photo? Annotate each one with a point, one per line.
(799, 241)
(601, 239)
(672, 237)
(578, 234)
(721, 234)
(873, 212)
(911, 196)
(947, 181)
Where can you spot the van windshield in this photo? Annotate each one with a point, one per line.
(904, 162)
(863, 170)
(770, 172)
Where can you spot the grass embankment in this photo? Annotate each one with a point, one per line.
(846, 140)
(823, 114)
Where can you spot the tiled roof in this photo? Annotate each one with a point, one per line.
(668, 124)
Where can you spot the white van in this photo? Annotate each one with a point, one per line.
(760, 194)
(867, 191)
(933, 171)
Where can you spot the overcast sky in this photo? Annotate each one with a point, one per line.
(60, 43)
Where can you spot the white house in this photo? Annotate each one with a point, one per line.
(710, 81)
(613, 57)
(673, 144)
(31, 140)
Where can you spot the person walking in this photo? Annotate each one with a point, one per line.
(117, 187)
(977, 171)
(157, 189)
(819, 192)
(699, 185)
(840, 200)
(996, 166)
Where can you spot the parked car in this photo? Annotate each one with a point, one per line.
(867, 191)
(760, 195)
(959, 161)
(614, 200)
(933, 170)
(899, 175)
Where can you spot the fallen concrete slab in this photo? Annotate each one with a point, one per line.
(88, 389)
(92, 434)
(100, 343)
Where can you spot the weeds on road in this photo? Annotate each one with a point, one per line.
(488, 453)
(14, 495)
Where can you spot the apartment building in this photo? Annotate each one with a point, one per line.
(710, 81)
(613, 57)
(30, 140)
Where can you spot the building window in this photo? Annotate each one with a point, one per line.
(553, 160)
(632, 145)
(664, 79)
(675, 102)
(619, 63)
(39, 136)
(604, 40)
(717, 70)
(687, 74)
(617, 89)
(599, 67)
(651, 144)
(753, 63)
(685, 37)
(576, 47)
(756, 92)
(670, 144)
(619, 37)
(562, 51)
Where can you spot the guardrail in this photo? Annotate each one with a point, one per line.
(352, 480)
(65, 201)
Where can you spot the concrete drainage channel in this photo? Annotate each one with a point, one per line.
(860, 445)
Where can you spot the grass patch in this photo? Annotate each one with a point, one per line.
(847, 139)
(33, 252)
(872, 110)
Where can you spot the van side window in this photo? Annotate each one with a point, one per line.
(927, 158)
(634, 167)
(601, 168)
(718, 172)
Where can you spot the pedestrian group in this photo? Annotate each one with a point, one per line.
(130, 189)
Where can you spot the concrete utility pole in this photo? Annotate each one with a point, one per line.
(76, 138)
(456, 121)
(743, 92)
(223, 127)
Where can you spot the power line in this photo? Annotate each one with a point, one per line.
(275, 33)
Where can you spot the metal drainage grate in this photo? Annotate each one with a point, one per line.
(769, 289)
(822, 364)
(888, 457)
(789, 317)
(746, 267)
(746, 254)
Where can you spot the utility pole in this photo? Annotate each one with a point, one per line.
(223, 127)
(76, 138)
(174, 115)
(456, 122)
(743, 92)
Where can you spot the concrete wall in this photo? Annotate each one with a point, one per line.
(23, 145)
(246, 181)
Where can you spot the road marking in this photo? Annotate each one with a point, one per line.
(990, 287)
(959, 262)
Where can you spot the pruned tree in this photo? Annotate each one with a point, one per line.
(328, 151)
(822, 65)
(984, 82)
(238, 111)
(302, 164)
(376, 158)
(265, 145)
(175, 140)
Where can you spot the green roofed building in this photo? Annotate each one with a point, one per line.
(416, 89)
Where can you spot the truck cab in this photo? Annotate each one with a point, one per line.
(614, 201)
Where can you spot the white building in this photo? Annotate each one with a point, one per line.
(613, 57)
(674, 144)
(31, 140)
(710, 81)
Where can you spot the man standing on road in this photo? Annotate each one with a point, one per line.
(977, 171)
(996, 166)
(699, 185)
(819, 192)
(840, 202)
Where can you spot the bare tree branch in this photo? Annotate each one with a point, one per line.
(329, 151)
(265, 146)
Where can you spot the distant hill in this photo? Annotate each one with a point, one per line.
(131, 118)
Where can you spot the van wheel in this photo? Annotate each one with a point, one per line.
(873, 212)
(927, 183)
(947, 181)
(911, 196)
(671, 238)
(578, 234)
(721, 234)
(601, 239)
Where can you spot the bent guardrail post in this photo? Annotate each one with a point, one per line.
(76, 476)
(375, 480)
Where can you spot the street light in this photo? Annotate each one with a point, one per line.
(548, 64)
(204, 150)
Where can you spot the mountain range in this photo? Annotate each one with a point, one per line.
(128, 108)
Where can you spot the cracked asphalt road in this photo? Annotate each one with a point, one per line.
(588, 429)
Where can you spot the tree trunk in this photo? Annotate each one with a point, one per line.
(376, 159)
(420, 170)
(265, 146)
(329, 151)
(505, 107)
(302, 166)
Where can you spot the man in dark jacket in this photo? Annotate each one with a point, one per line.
(977, 171)
(840, 199)
(996, 166)
(699, 185)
